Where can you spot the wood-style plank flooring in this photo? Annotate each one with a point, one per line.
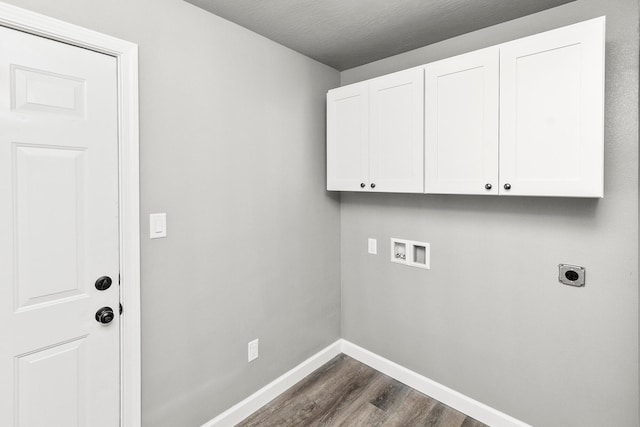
(345, 392)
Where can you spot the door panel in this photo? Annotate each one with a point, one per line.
(49, 191)
(348, 138)
(47, 400)
(59, 213)
(461, 113)
(396, 132)
(551, 112)
(39, 90)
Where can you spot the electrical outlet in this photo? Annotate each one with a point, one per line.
(572, 275)
(253, 350)
(373, 246)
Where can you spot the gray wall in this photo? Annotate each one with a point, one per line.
(490, 319)
(232, 148)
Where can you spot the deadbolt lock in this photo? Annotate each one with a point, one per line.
(103, 283)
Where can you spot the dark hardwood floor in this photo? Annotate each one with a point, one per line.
(345, 392)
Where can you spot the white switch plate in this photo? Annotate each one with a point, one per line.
(373, 246)
(253, 350)
(157, 225)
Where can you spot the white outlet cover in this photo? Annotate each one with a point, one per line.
(373, 246)
(252, 350)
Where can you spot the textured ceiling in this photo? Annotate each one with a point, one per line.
(346, 33)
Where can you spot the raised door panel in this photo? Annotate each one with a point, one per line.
(43, 399)
(461, 124)
(551, 112)
(348, 138)
(49, 230)
(397, 131)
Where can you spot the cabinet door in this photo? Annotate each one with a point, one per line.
(551, 112)
(396, 132)
(348, 138)
(461, 124)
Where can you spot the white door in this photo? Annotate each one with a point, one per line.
(551, 112)
(396, 145)
(461, 124)
(348, 138)
(59, 366)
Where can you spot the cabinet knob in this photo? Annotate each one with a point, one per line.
(373, 185)
(488, 186)
(507, 186)
(362, 185)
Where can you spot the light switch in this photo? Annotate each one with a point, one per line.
(157, 225)
(373, 246)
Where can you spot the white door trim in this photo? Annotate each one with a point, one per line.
(126, 54)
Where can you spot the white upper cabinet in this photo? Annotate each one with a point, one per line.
(396, 132)
(524, 118)
(375, 135)
(551, 112)
(348, 137)
(461, 124)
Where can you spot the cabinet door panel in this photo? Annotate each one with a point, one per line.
(396, 132)
(461, 124)
(551, 112)
(348, 137)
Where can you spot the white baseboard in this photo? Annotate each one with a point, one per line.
(449, 397)
(452, 398)
(266, 394)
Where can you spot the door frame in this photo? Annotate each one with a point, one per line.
(126, 54)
